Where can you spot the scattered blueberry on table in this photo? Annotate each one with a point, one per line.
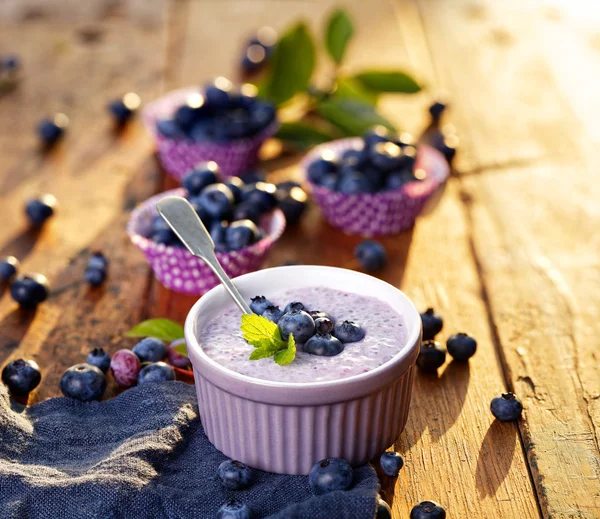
(150, 349)
(258, 50)
(432, 324)
(234, 475)
(9, 63)
(329, 475)
(234, 510)
(383, 510)
(371, 255)
(461, 346)
(431, 356)
(123, 109)
(9, 267)
(220, 114)
(391, 463)
(38, 210)
(30, 290)
(83, 382)
(99, 358)
(96, 270)
(428, 510)
(50, 131)
(156, 372)
(292, 202)
(125, 366)
(381, 161)
(506, 407)
(21, 376)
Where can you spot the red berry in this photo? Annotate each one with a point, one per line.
(126, 367)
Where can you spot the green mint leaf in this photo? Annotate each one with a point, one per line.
(181, 349)
(163, 329)
(388, 81)
(352, 116)
(292, 65)
(286, 356)
(261, 353)
(256, 329)
(337, 35)
(349, 88)
(303, 134)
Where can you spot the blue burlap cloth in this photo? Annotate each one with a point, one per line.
(141, 455)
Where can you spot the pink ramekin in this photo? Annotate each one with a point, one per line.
(179, 156)
(287, 427)
(177, 269)
(383, 213)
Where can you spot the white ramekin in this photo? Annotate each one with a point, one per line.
(287, 427)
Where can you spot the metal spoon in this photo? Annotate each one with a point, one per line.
(186, 224)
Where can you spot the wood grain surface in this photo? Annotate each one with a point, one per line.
(510, 253)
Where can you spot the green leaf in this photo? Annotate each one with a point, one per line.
(349, 88)
(261, 353)
(303, 134)
(353, 117)
(181, 349)
(388, 81)
(338, 34)
(292, 65)
(163, 329)
(257, 330)
(286, 356)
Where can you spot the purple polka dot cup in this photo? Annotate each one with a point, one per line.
(383, 213)
(177, 269)
(179, 156)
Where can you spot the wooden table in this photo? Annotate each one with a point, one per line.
(510, 255)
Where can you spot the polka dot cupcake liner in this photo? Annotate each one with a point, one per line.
(179, 156)
(177, 269)
(384, 213)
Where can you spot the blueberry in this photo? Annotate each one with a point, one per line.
(330, 181)
(240, 234)
(320, 167)
(38, 210)
(431, 356)
(409, 157)
(262, 195)
(427, 510)
(217, 93)
(398, 179)
(217, 200)
(247, 211)
(125, 366)
(349, 331)
(175, 358)
(461, 346)
(383, 510)
(10, 63)
(323, 325)
(354, 183)
(323, 344)
(98, 260)
(287, 186)
(262, 115)
(156, 372)
(252, 176)
(391, 463)
(259, 304)
(51, 131)
(21, 376)
(83, 382)
(150, 349)
(123, 109)
(168, 128)
(376, 135)
(235, 185)
(296, 305)
(432, 324)
(354, 157)
(234, 475)
(317, 314)
(8, 268)
(296, 322)
(99, 358)
(329, 475)
(203, 175)
(95, 276)
(185, 117)
(293, 204)
(31, 290)
(218, 230)
(234, 510)
(371, 255)
(506, 407)
(273, 313)
(196, 203)
(436, 110)
(166, 237)
(386, 156)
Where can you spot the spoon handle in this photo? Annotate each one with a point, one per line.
(186, 224)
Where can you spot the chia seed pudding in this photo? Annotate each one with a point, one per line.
(386, 335)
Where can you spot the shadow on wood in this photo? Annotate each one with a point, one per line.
(13, 328)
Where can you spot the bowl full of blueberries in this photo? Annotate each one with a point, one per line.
(215, 123)
(375, 185)
(243, 220)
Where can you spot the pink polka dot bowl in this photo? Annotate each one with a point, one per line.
(177, 269)
(383, 213)
(179, 156)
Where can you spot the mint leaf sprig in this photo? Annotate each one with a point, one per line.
(265, 337)
(163, 329)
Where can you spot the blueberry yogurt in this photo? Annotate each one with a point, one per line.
(383, 335)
